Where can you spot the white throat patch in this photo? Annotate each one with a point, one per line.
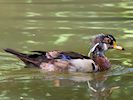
(105, 47)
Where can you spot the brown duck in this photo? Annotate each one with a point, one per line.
(72, 61)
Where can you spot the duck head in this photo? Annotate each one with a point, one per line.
(107, 39)
(97, 52)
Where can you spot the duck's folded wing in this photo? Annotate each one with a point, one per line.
(74, 55)
(40, 52)
(66, 55)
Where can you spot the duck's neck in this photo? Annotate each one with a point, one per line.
(101, 61)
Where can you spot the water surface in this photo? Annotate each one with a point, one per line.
(27, 25)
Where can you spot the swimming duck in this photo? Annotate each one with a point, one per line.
(72, 61)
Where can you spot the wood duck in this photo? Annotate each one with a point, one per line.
(72, 61)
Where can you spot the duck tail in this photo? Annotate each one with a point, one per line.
(24, 57)
(18, 54)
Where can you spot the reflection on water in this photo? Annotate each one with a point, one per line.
(62, 38)
(37, 86)
(65, 25)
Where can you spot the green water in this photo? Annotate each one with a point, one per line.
(27, 25)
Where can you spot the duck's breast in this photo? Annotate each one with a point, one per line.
(83, 65)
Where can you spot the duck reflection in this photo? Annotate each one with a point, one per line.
(97, 84)
(99, 89)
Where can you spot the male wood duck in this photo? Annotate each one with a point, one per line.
(72, 61)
